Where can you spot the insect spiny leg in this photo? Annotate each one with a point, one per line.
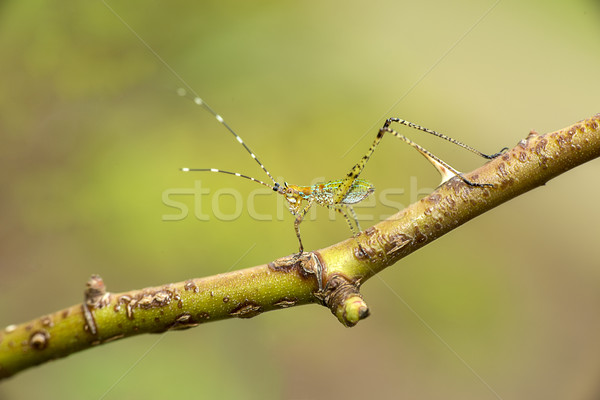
(442, 136)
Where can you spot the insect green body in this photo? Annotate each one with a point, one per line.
(341, 194)
(331, 195)
(325, 193)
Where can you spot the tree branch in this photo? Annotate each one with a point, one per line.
(330, 276)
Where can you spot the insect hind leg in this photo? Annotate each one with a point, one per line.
(446, 170)
(389, 121)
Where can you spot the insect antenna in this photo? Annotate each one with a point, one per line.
(274, 187)
(203, 104)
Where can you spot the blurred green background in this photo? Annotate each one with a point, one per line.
(93, 133)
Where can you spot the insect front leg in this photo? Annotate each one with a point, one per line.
(298, 220)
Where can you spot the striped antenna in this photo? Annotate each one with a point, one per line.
(202, 103)
(274, 188)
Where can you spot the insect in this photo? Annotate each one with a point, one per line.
(340, 194)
